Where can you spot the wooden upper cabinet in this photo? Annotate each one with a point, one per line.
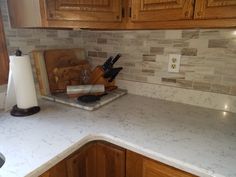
(84, 10)
(161, 10)
(215, 9)
(123, 14)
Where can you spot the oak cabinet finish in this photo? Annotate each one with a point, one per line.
(3, 55)
(140, 166)
(58, 170)
(80, 10)
(103, 159)
(83, 162)
(159, 10)
(123, 14)
(95, 159)
(215, 9)
(110, 160)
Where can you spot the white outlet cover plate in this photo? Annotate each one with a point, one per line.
(174, 60)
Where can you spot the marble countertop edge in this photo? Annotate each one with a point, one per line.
(129, 146)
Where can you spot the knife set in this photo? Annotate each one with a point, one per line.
(106, 74)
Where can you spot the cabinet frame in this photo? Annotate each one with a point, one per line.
(125, 23)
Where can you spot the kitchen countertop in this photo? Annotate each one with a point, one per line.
(197, 140)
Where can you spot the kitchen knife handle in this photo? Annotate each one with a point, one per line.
(107, 63)
(116, 59)
(115, 74)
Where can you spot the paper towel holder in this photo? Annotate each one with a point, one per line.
(19, 112)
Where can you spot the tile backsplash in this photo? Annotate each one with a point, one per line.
(208, 61)
(30, 39)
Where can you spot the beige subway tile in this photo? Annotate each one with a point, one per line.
(92, 54)
(184, 83)
(203, 86)
(218, 43)
(150, 58)
(233, 90)
(217, 88)
(157, 50)
(189, 51)
(173, 34)
(190, 34)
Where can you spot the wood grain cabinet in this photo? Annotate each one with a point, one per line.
(95, 159)
(103, 159)
(140, 166)
(110, 160)
(81, 10)
(58, 170)
(83, 162)
(215, 9)
(122, 14)
(159, 10)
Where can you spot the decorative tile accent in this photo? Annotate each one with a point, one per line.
(157, 50)
(189, 52)
(188, 34)
(218, 43)
(207, 63)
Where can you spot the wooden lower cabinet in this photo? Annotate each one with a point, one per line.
(95, 159)
(102, 159)
(110, 160)
(58, 170)
(83, 162)
(140, 166)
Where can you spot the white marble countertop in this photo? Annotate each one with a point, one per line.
(197, 140)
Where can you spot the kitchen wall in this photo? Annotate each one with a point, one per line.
(207, 74)
(208, 60)
(30, 39)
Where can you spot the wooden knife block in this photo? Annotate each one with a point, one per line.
(97, 78)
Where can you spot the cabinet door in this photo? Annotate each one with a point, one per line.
(161, 10)
(215, 9)
(84, 10)
(139, 166)
(83, 162)
(58, 170)
(110, 160)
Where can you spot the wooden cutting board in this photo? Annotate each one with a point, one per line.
(64, 68)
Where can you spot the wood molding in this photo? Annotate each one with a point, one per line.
(4, 60)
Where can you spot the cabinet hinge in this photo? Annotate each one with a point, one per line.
(130, 12)
(123, 12)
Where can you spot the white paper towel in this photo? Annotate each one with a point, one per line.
(23, 82)
(11, 95)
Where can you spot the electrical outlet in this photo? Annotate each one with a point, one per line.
(174, 63)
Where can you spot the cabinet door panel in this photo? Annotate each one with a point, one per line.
(161, 10)
(139, 166)
(110, 161)
(84, 10)
(83, 163)
(58, 170)
(214, 9)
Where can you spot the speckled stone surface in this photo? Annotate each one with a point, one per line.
(63, 98)
(197, 140)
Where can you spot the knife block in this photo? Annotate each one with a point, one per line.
(97, 78)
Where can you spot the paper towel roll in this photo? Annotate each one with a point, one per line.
(23, 81)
